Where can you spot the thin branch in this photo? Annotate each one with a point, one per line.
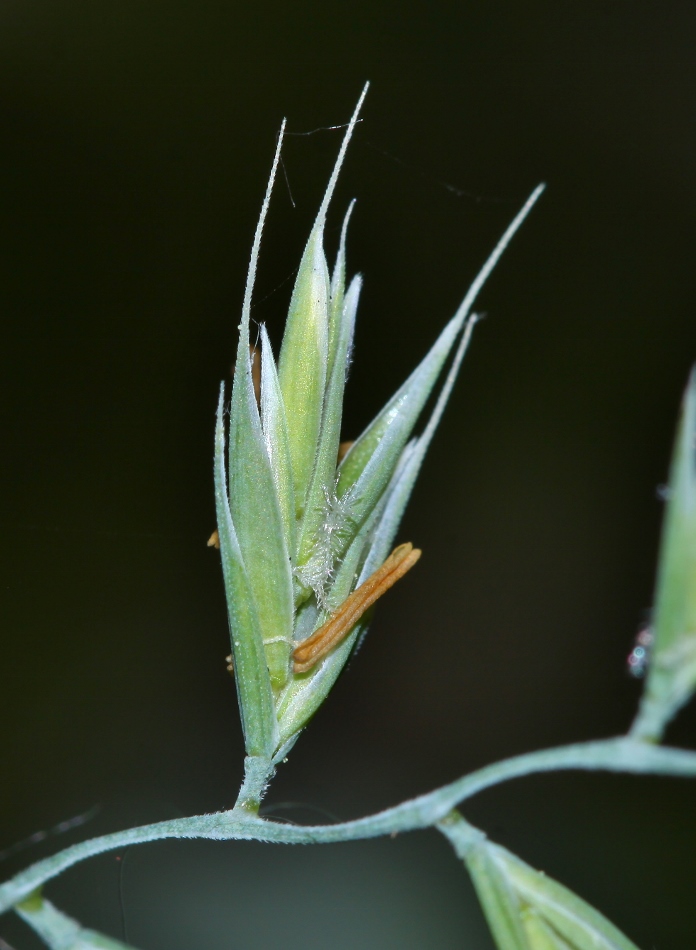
(610, 755)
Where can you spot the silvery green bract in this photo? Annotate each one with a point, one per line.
(526, 909)
(297, 531)
(60, 932)
(671, 676)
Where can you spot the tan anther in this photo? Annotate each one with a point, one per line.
(255, 360)
(255, 355)
(339, 625)
(343, 450)
(214, 540)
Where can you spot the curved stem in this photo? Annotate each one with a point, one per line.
(613, 755)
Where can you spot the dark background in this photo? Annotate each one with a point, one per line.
(136, 140)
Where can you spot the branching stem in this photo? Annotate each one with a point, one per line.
(242, 822)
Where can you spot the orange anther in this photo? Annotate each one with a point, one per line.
(307, 653)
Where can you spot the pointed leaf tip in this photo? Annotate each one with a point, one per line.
(671, 677)
(305, 361)
(256, 245)
(321, 216)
